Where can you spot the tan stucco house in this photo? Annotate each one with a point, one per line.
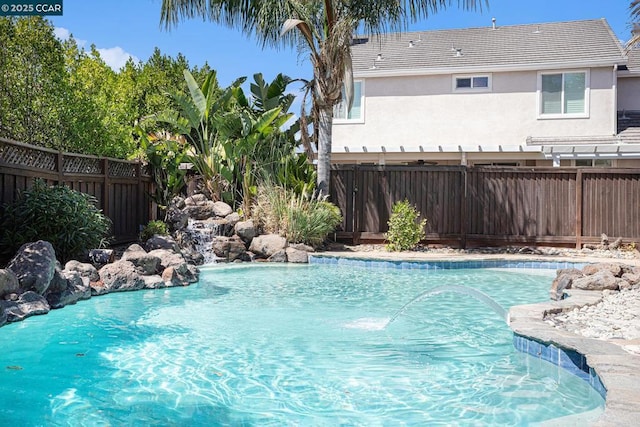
(561, 94)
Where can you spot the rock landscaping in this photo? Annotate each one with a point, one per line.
(617, 314)
(34, 282)
(209, 232)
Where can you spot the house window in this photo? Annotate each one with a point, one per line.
(595, 163)
(340, 113)
(563, 94)
(478, 83)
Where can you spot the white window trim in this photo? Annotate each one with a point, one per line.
(340, 121)
(455, 77)
(587, 96)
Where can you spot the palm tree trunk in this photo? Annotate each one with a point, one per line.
(325, 121)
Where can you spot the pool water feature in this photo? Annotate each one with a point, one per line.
(288, 345)
(464, 290)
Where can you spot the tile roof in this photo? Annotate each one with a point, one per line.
(573, 42)
(634, 60)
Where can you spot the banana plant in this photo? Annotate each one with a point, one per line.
(196, 119)
(164, 153)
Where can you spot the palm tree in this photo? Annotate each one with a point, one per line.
(325, 29)
(634, 12)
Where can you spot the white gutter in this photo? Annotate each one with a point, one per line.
(615, 98)
(488, 69)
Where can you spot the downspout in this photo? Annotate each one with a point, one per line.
(614, 87)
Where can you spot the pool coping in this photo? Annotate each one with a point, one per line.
(607, 367)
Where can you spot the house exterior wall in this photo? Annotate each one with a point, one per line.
(629, 93)
(423, 113)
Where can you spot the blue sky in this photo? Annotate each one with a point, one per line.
(121, 28)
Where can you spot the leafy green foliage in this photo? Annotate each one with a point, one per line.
(58, 95)
(164, 154)
(239, 141)
(66, 218)
(405, 229)
(153, 228)
(300, 218)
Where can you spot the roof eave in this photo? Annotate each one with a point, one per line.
(490, 69)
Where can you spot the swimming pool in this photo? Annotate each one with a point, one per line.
(288, 345)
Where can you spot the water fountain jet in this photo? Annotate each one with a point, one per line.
(474, 293)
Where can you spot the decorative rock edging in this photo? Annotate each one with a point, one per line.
(210, 232)
(35, 283)
(617, 370)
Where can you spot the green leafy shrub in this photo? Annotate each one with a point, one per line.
(405, 231)
(299, 218)
(152, 228)
(66, 218)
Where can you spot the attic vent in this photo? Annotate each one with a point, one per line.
(359, 40)
(537, 31)
(459, 51)
(493, 23)
(410, 43)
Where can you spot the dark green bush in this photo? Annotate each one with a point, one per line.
(152, 228)
(66, 218)
(405, 231)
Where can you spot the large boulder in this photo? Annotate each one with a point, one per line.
(267, 244)
(221, 209)
(187, 272)
(58, 283)
(118, 276)
(615, 269)
(236, 248)
(176, 218)
(146, 264)
(233, 218)
(246, 230)
(228, 249)
(199, 207)
(161, 242)
(29, 304)
(84, 269)
(34, 265)
(603, 279)
(171, 277)
(77, 289)
(101, 257)
(563, 280)
(153, 282)
(8, 283)
(297, 256)
(278, 256)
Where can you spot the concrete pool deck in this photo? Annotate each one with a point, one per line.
(617, 370)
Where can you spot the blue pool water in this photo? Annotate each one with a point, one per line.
(287, 346)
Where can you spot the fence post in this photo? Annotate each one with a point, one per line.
(579, 209)
(463, 213)
(106, 185)
(60, 166)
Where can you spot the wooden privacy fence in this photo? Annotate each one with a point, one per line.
(121, 187)
(473, 206)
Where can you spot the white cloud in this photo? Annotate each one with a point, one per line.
(116, 57)
(61, 33)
